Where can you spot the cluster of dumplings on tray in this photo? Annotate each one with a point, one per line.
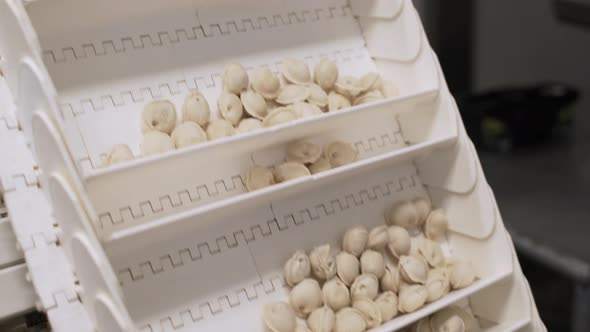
(251, 101)
(302, 158)
(376, 275)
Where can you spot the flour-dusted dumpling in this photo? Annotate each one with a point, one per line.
(413, 269)
(235, 78)
(230, 107)
(258, 178)
(399, 241)
(265, 83)
(432, 252)
(348, 86)
(254, 104)
(437, 284)
(448, 321)
(321, 320)
(296, 71)
(303, 152)
(370, 312)
(347, 267)
(117, 154)
(462, 274)
(248, 125)
(349, 320)
(337, 101)
(302, 328)
(336, 294)
(155, 142)
(220, 128)
(372, 262)
(470, 324)
(378, 238)
(321, 165)
(340, 153)
(297, 268)
(422, 325)
(305, 110)
(291, 94)
(305, 297)
(387, 304)
(391, 279)
(365, 285)
(159, 115)
(196, 109)
(423, 207)
(436, 225)
(326, 74)
(371, 81)
(289, 171)
(323, 263)
(367, 97)
(188, 133)
(279, 317)
(355, 240)
(389, 89)
(271, 105)
(403, 214)
(317, 96)
(279, 116)
(412, 298)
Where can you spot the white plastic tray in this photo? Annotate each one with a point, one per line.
(218, 265)
(174, 242)
(128, 195)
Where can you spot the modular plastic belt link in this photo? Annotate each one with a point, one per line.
(51, 281)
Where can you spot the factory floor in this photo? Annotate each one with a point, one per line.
(543, 193)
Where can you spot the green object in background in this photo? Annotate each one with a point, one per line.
(492, 128)
(566, 114)
(494, 133)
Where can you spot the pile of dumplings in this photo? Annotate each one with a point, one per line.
(303, 158)
(252, 101)
(392, 269)
(450, 319)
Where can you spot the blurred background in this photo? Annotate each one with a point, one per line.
(521, 75)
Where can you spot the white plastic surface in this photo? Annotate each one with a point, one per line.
(18, 295)
(51, 275)
(377, 8)
(45, 281)
(7, 108)
(18, 42)
(31, 217)
(69, 316)
(16, 166)
(9, 254)
(238, 261)
(174, 241)
(94, 83)
(131, 196)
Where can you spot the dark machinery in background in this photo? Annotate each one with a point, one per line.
(506, 118)
(573, 11)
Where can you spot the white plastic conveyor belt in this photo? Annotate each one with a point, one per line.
(34, 272)
(175, 241)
